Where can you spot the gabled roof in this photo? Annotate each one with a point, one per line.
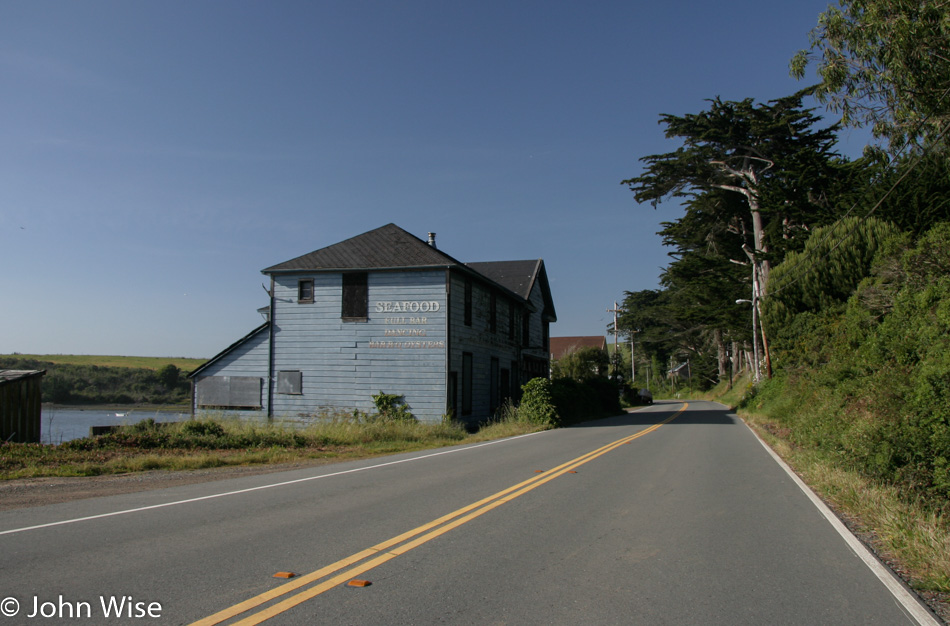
(564, 345)
(390, 247)
(516, 276)
(385, 247)
(520, 277)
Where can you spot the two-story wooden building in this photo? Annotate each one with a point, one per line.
(386, 312)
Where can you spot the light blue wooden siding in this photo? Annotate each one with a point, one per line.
(344, 363)
(247, 359)
(483, 344)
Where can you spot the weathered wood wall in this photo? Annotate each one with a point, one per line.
(344, 363)
(483, 344)
(21, 406)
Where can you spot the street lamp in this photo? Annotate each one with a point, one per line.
(755, 336)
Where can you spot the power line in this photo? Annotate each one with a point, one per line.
(801, 269)
(809, 262)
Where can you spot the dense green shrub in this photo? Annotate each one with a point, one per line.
(869, 381)
(581, 364)
(390, 406)
(537, 405)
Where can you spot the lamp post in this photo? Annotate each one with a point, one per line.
(755, 337)
(633, 362)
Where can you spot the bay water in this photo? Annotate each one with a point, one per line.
(59, 424)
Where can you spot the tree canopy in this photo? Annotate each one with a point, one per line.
(774, 155)
(753, 179)
(884, 63)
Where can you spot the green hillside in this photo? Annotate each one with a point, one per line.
(142, 362)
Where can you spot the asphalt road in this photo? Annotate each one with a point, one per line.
(674, 514)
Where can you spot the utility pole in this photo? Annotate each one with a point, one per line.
(616, 310)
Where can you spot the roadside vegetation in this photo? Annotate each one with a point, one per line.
(225, 442)
(845, 262)
(89, 380)
(221, 441)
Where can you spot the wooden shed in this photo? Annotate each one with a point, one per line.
(20, 405)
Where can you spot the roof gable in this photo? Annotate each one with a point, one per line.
(516, 276)
(385, 247)
(520, 277)
(564, 345)
(390, 247)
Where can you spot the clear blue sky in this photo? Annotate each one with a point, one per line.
(155, 156)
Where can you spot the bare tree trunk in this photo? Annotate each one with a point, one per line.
(722, 355)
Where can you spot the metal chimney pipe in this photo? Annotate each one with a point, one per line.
(432, 240)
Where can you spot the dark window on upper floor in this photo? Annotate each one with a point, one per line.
(355, 296)
(468, 301)
(511, 321)
(526, 329)
(493, 313)
(305, 290)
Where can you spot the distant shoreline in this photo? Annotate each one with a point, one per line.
(169, 408)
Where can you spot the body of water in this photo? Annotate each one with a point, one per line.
(63, 424)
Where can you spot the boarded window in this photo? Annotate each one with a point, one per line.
(355, 296)
(305, 290)
(230, 392)
(290, 382)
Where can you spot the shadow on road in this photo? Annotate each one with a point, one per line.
(661, 410)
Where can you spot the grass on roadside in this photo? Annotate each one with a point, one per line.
(913, 538)
(206, 443)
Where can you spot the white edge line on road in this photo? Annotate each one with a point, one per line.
(906, 599)
(261, 487)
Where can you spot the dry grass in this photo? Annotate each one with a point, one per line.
(912, 538)
(201, 444)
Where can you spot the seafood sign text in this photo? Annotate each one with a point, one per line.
(410, 306)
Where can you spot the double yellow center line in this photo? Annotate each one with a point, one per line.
(375, 556)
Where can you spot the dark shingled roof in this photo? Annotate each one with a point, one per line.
(516, 276)
(390, 247)
(519, 277)
(386, 247)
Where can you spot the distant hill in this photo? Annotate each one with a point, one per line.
(142, 362)
(84, 379)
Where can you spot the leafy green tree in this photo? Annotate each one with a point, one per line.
(884, 63)
(825, 274)
(914, 191)
(582, 364)
(169, 376)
